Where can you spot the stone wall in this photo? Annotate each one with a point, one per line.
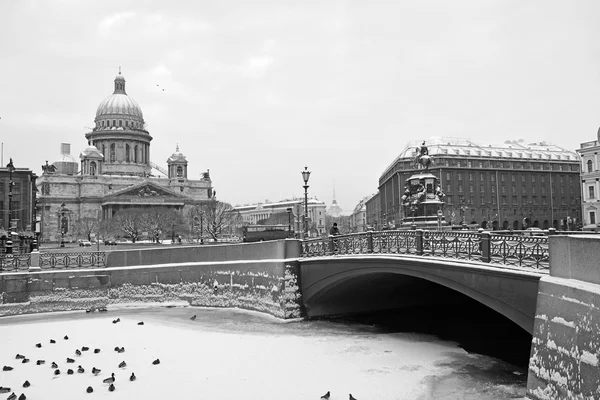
(565, 350)
(264, 278)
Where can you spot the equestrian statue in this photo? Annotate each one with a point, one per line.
(422, 157)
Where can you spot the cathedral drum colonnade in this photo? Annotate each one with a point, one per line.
(115, 172)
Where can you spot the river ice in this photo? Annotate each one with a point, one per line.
(233, 354)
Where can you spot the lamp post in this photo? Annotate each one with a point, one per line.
(440, 214)
(305, 176)
(201, 225)
(413, 210)
(463, 210)
(63, 224)
(9, 242)
(289, 211)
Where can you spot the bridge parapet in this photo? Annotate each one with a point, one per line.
(565, 350)
(487, 247)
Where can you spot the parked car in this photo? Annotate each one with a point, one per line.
(84, 243)
(110, 242)
(533, 232)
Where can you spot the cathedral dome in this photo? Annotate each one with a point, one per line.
(119, 104)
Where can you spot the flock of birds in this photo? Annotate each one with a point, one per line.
(95, 371)
(110, 381)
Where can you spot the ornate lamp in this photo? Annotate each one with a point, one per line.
(305, 176)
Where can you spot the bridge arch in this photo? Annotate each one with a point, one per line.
(509, 292)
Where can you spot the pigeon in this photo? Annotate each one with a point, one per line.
(7, 368)
(351, 397)
(122, 364)
(26, 384)
(4, 389)
(117, 348)
(111, 379)
(40, 362)
(78, 352)
(19, 357)
(121, 350)
(52, 341)
(89, 389)
(132, 377)
(141, 323)
(66, 337)
(156, 362)
(54, 365)
(111, 388)
(22, 397)
(96, 351)
(57, 372)
(85, 348)
(326, 395)
(95, 370)
(193, 317)
(80, 369)
(70, 371)
(25, 360)
(13, 396)
(70, 360)
(38, 345)
(117, 320)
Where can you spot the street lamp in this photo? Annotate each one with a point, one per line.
(63, 224)
(9, 242)
(413, 210)
(201, 227)
(440, 214)
(289, 211)
(463, 210)
(305, 176)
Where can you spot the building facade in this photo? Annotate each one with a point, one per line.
(22, 202)
(590, 184)
(253, 213)
(114, 173)
(358, 218)
(509, 186)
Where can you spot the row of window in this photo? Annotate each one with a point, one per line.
(119, 122)
(503, 178)
(130, 156)
(524, 189)
(524, 201)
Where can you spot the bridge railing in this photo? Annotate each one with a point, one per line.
(512, 250)
(15, 262)
(91, 259)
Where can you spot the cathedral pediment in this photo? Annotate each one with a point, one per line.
(146, 190)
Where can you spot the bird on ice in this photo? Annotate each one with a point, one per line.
(132, 377)
(111, 379)
(326, 396)
(193, 317)
(350, 397)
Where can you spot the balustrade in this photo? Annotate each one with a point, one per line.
(500, 249)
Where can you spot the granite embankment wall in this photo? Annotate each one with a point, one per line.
(565, 350)
(260, 276)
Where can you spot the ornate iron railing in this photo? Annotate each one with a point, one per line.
(92, 259)
(15, 262)
(512, 250)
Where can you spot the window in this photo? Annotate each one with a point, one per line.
(589, 166)
(493, 178)
(448, 176)
(513, 178)
(493, 189)
(470, 176)
(112, 153)
(93, 168)
(523, 178)
(103, 153)
(127, 123)
(448, 188)
(135, 153)
(513, 189)
(120, 122)
(533, 190)
(460, 177)
(460, 188)
(180, 171)
(503, 189)
(482, 178)
(592, 217)
(482, 189)
(532, 178)
(470, 188)
(502, 178)
(591, 192)
(126, 152)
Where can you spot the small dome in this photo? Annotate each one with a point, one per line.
(66, 164)
(91, 152)
(177, 157)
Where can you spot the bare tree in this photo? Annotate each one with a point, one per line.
(220, 218)
(86, 226)
(129, 222)
(159, 220)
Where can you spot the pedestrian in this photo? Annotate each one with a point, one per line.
(334, 231)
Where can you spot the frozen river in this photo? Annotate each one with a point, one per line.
(232, 354)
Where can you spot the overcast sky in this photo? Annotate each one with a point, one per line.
(256, 90)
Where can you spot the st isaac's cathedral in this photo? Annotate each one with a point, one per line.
(114, 172)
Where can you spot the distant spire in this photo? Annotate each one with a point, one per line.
(119, 83)
(119, 70)
(177, 148)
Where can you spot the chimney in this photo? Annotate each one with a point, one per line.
(65, 148)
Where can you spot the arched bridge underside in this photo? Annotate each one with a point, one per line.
(350, 284)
